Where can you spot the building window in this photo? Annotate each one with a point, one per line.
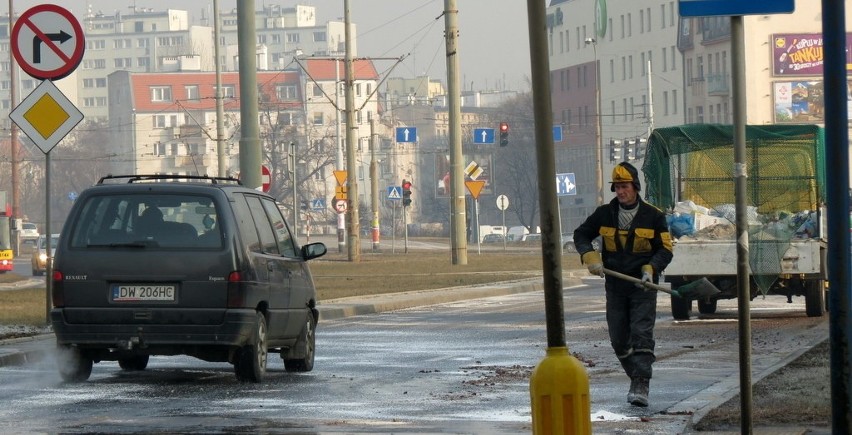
(674, 102)
(319, 37)
(143, 62)
(122, 62)
(122, 43)
(192, 92)
(142, 43)
(665, 60)
(318, 118)
(285, 92)
(228, 91)
(276, 38)
(94, 63)
(161, 93)
(96, 44)
(665, 102)
(292, 37)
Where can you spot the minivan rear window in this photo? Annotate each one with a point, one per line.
(147, 221)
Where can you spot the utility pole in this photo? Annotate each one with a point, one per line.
(249, 127)
(374, 186)
(598, 127)
(458, 230)
(220, 123)
(351, 139)
(559, 385)
(341, 218)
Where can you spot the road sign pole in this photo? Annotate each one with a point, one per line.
(478, 235)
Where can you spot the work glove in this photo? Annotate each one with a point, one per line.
(593, 262)
(647, 276)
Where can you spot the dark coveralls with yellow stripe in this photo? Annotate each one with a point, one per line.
(631, 311)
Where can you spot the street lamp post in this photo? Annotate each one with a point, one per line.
(598, 121)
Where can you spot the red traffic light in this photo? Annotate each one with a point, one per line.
(504, 127)
(406, 185)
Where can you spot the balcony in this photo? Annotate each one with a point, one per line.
(717, 85)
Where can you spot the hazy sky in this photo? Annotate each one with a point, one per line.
(493, 36)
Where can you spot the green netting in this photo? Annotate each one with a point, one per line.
(785, 178)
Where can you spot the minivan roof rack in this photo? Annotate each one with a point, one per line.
(165, 177)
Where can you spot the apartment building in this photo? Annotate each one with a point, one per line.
(148, 40)
(783, 64)
(165, 123)
(616, 73)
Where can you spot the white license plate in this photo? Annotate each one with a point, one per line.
(143, 292)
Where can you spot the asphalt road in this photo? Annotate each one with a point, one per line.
(460, 367)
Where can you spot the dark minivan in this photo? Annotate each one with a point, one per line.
(181, 265)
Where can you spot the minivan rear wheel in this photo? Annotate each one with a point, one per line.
(134, 363)
(250, 365)
(308, 341)
(73, 365)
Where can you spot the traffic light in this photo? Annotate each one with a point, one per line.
(615, 150)
(406, 193)
(504, 134)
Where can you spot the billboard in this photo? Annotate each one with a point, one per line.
(802, 101)
(801, 54)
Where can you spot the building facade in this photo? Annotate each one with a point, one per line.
(616, 73)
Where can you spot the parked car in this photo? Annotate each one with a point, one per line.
(181, 265)
(568, 243)
(493, 238)
(39, 257)
(535, 237)
(29, 232)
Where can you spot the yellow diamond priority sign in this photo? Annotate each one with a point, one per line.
(46, 116)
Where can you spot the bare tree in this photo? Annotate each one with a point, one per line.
(517, 162)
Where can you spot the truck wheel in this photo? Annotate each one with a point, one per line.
(681, 307)
(250, 365)
(814, 297)
(707, 306)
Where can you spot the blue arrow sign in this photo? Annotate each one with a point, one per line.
(483, 135)
(566, 184)
(406, 134)
(318, 204)
(707, 8)
(557, 133)
(395, 193)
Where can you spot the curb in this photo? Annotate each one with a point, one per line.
(29, 350)
(729, 387)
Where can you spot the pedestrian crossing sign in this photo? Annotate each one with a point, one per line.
(395, 193)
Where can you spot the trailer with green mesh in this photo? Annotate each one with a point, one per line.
(690, 173)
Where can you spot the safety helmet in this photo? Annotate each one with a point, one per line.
(625, 173)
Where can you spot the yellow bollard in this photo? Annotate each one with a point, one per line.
(559, 389)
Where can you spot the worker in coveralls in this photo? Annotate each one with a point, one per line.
(635, 241)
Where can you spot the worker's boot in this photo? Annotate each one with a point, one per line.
(631, 395)
(640, 392)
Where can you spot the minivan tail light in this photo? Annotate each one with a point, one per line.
(57, 294)
(236, 296)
